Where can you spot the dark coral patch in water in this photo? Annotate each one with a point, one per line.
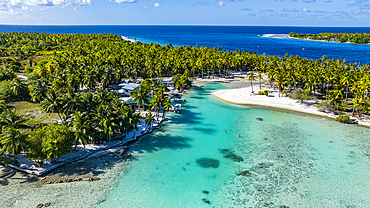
(229, 154)
(208, 163)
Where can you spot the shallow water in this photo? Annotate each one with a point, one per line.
(293, 159)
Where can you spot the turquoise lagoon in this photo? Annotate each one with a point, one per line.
(293, 159)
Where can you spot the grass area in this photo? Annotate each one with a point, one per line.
(23, 107)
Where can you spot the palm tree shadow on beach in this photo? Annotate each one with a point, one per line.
(16, 175)
(89, 168)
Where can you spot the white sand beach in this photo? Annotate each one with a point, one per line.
(243, 96)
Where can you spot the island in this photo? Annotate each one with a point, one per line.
(62, 98)
(359, 38)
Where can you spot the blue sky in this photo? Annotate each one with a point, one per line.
(188, 12)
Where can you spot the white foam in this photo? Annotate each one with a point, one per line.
(128, 39)
(275, 35)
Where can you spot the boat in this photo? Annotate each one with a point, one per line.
(177, 108)
(180, 100)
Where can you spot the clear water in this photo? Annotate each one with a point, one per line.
(252, 38)
(293, 159)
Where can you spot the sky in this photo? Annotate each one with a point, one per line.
(186, 12)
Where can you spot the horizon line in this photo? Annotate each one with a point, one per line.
(222, 25)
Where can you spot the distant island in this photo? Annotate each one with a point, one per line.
(359, 38)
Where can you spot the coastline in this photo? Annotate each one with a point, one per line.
(243, 96)
(348, 42)
(85, 181)
(82, 154)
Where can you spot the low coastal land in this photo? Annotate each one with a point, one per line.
(88, 171)
(353, 38)
(244, 96)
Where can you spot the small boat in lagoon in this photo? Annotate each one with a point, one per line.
(177, 108)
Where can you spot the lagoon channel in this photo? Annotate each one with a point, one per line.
(291, 159)
(193, 160)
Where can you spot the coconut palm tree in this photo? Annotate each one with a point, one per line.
(80, 128)
(70, 102)
(251, 77)
(149, 119)
(10, 119)
(106, 122)
(19, 88)
(52, 103)
(259, 76)
(140, 96)
(39, 90)
(12, 140)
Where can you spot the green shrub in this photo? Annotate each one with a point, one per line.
(28, 69)
(49, 142)
(343, 118)
(266, 92)
(286, 92)
(6, 93)
(6, 74)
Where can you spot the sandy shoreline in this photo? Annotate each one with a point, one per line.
(83, 183)
(326, 41)
(243, 96)
(82, 154)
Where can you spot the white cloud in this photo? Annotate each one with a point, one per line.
(309, 1)
(220, 4)
(157, 5)
(56, 3)
(125, 1)
(15, 7)
(201, 3)
(19, 7)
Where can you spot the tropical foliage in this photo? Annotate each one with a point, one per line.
(337, 37)
(70, 75)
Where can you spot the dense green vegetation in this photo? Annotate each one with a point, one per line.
(362, 38)
(73, 72)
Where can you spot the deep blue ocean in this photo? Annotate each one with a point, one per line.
(253, 38)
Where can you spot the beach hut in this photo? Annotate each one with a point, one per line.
(167, 81)
(133, 104)
(127, 88)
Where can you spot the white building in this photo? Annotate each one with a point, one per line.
(167, 81)
(127, 88)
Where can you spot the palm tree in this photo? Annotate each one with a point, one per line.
(10, 119)
(251, 77)
(70, 102)
(52, 103)
(166, 104)
(140, 95)
(357, 103)
(39, 90)
(106, 122)
(19, 88)
(149, 119)
(259, 76)
(334, 98)
(12, 140)
(80, 128)
(156, 103)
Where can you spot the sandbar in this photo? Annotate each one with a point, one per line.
(244, 96)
